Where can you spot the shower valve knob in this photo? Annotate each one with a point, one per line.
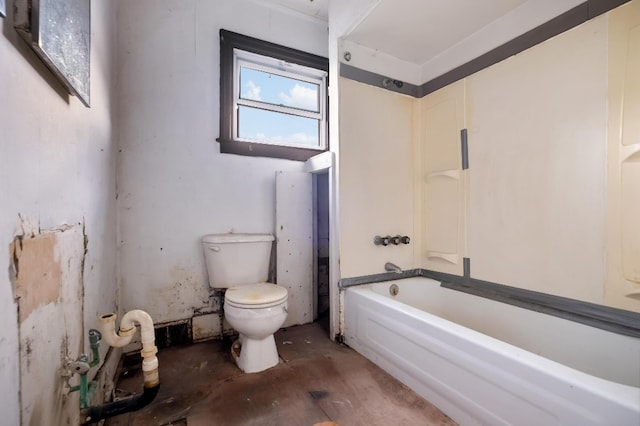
(381, 241)
(396, 240)
(405, 240)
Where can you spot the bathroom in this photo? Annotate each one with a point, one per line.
(138, 177)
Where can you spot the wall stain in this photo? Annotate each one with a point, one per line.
(28, 351)
(46, 277)
(186, 294)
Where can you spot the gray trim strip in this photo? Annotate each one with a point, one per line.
(466, 267)
(373, 79)
(465, 149)
(606, 318)
(377, 278)
(615, 320)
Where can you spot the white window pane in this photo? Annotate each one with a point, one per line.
(277, 128)
(278, 90)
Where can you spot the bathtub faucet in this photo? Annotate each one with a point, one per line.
(392, 268)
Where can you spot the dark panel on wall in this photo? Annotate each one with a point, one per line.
(378, 80)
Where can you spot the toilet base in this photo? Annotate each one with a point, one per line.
(255, 354)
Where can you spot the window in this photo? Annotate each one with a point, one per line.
(273, 99)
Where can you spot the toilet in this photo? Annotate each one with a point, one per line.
(255, 308)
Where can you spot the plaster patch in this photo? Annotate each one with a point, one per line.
(47, 284)
(38, 273)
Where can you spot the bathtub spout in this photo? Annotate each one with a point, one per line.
(392, 268)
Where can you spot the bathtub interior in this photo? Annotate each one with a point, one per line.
(593, 351)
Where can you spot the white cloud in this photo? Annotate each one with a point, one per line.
(303, 139)
(300, 97)
(251, 91)
(299, 138)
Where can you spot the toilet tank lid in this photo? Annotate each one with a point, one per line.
(236, 238)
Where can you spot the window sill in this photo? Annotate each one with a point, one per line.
(264, 150)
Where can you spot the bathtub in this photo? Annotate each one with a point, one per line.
(486, 362)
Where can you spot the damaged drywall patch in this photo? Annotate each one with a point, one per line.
(46, 274)
(37, 273)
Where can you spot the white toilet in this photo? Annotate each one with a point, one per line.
(254, 308)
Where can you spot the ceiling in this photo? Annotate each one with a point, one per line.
(318, 9)
(416, 31)
(435, 35)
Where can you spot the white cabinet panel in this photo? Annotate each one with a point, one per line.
(294, 247)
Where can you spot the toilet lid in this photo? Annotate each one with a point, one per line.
(261, 295)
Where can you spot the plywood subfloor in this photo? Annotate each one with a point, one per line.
(316, 381)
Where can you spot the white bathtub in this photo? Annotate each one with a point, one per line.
(535, 369)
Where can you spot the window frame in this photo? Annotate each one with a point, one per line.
(230, 92)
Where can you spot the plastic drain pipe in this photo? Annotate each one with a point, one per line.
(149, 363)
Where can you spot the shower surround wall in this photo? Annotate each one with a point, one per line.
(174, 185)
(376, 177)
(57, 167)
(534, 203)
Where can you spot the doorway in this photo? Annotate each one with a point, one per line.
(321, 247)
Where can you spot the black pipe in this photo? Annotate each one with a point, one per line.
(92, 415)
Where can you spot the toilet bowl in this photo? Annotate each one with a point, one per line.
(254, 308)
(255, 311)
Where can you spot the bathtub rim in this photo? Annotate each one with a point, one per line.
(606, 318)
(573, 401)
(626, 395)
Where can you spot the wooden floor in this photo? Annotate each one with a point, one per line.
(316, 381)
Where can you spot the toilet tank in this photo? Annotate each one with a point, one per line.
(237, 259)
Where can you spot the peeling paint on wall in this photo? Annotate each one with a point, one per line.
(46, 269)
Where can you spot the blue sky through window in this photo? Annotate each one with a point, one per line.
(276, 127)
(267, 126)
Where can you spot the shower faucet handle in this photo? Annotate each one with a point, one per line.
(405, 239)
(396, 240)
(381, 241)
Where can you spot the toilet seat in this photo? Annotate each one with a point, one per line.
(255, 296)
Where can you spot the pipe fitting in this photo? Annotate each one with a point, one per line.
(149, 349)
(108, 325)
(124, 336)
(149, 363)
(132, 317)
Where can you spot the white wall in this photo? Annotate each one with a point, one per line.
(173, 184)
(57, 165)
